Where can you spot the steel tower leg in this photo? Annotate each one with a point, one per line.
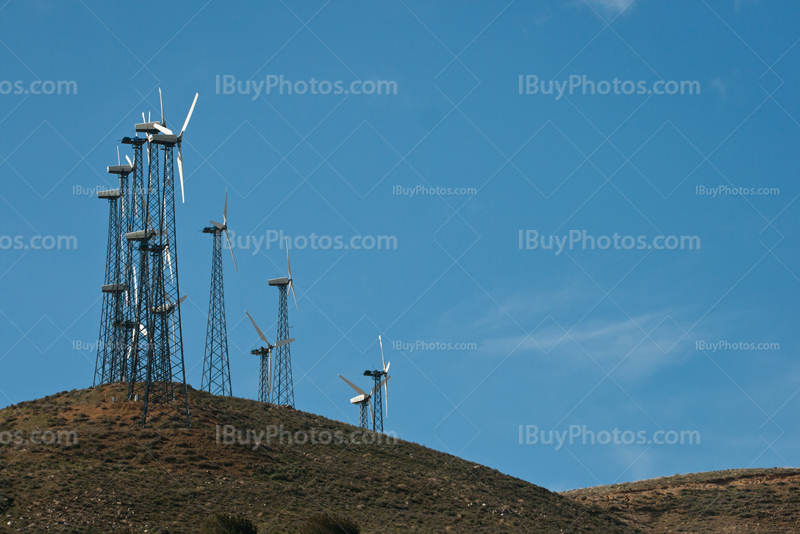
(216, 367)
(282, 384)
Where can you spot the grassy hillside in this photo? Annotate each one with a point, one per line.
(170, 479)
(739, 500)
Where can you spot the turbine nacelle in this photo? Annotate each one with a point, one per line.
(164, 139)
(140, 235)
(158, 134)
(223, 227)
(359, 399)
(168, 307)
(147, 127)
(109, 194)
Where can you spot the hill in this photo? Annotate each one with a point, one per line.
(119, 476)
(738, 500)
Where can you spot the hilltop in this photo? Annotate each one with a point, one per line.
(737, 500)
(119, 475)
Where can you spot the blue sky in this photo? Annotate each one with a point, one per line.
(606, 338)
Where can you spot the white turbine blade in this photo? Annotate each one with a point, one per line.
(189, 116)
(135, 287)
(372, 413)
(355, 387)
(129, 160)
(166, 296)
(218, 225)
(387, 367)
(269, 378)
(161, 100)
(379, 386)
(225, 211)
(291, 282)
(382, 360)
(231, 247)
(386, 396)
(118, 160)
(282, 342)
(260, 333)
(180, 171)
(169, 262)
(162, 129)
(182, 299)
(148, 116)
(288, 261)
(143, 119)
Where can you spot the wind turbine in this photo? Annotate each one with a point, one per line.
(362, 401)
(284, 385)
(224, 227)
(171, 139)
(378, 397)
(265, 367)
(216, 365)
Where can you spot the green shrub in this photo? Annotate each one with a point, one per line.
(228, 524)
(329, 524)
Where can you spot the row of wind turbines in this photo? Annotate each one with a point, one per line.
(375, 401)
(141, 331)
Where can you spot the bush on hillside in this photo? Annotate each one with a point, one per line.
(329, 524)
(228, 524)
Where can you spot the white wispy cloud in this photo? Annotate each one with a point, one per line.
(611, 5)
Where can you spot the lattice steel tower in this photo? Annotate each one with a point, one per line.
(378, 394)
(216, 367)
(161, 373)
(282, 384)
(109, 347)
(132, 216)
(265, 362)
